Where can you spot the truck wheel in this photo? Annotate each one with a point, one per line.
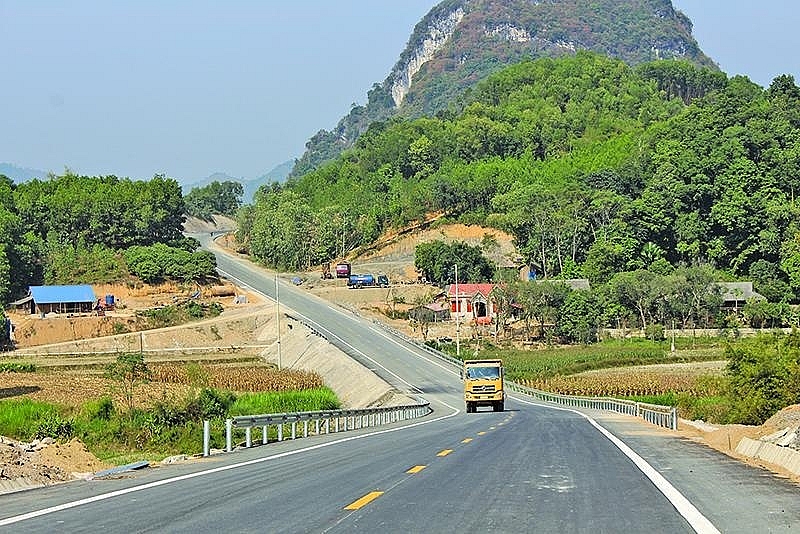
(498, 406)
(470, 407)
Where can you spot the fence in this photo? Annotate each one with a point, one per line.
(314, 423)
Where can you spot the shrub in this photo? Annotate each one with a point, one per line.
(210, 404)
(764, 376)
(54, 426)
(102, 408)
(13, 367)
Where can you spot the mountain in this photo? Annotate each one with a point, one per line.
(20, 174)
(460, 42)
(216, 177)
(278, 174)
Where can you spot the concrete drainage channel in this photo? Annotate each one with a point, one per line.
(303, 424)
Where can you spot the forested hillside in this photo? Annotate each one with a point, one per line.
(81, 229)
(460, 42)
(594, 166)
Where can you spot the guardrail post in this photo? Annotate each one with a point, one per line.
(674, 422)
(248, 435)
(206, 438)
(294, 429)
(264, 436)
(280, 432)
(328, 425)
(228, 435)
(316, 427)
(336, 425)
(305, 429)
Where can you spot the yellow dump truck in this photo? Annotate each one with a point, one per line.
(483, 384)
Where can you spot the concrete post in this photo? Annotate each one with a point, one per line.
(228, 435)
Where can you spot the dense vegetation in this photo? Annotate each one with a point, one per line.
(494, 34)
(222, 198)
(436, 261)
(79, 229)
(595, 167)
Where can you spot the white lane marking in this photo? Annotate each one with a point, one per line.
(686, 509)
(149, 485)
(328, 333)
(390, 337)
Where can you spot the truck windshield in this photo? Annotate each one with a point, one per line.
(488, 373)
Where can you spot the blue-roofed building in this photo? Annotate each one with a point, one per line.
(62, 299)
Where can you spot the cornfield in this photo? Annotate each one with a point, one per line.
(624, 385)
(250, 378)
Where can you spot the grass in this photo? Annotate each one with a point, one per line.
(19, 418)
(166, 429)
(548, 362)
(290, 401)
(13, 367)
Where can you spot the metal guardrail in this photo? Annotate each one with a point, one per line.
(316, 423)
(663, 416)
(328, 421)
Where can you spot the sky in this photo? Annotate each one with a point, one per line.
(192, 87)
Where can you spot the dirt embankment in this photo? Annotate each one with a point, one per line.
(43, 462)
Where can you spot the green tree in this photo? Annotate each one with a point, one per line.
(222, 198)
(436, 260)
(579, 317)
(128, 372)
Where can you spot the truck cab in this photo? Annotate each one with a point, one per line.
(483, 385)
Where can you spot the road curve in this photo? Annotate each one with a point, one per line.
(532, 468)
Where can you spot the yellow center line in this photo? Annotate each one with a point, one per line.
(444, 452)
(466, 440)
(491, 428)
(481, 433)
(363, 501)
(416, 469)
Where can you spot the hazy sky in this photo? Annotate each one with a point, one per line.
(193, 87)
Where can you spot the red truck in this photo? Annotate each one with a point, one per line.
(342, 270)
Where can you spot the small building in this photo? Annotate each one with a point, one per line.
(429, 313)
(472, 302)
(61, 299)
(736, 294)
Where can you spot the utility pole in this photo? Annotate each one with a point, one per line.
(278, 320)
(458, 312)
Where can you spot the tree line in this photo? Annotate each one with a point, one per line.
(596, 168)
(80, 229)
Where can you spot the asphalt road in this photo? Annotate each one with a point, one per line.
(533, 468)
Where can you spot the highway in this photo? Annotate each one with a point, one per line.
(533, 468)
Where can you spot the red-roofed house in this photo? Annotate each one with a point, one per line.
(472, 302)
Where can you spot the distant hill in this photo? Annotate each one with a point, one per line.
(216, 177)
(460, 42)
(278, 174)
(21, 174)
